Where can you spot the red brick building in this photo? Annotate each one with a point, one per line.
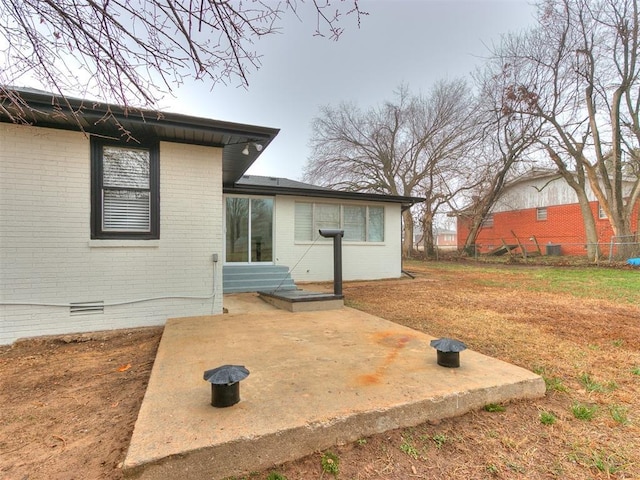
(539, 211)
(443, 239)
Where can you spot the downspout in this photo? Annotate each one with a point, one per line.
(403, 209)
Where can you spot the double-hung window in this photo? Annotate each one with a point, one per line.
(125, 191)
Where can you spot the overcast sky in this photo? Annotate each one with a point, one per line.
(415, 42)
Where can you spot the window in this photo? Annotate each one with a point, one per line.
(488, 221)
(541, 213)
(326, 216)
(601, 213)
(304, 221)
(375, 224)
(360, 223)
(355, 223)
(249, 229)
(125, 191)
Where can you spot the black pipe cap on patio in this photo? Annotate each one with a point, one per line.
(226, 374)
(448, 345)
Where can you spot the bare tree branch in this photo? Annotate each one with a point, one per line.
(578, 74)
(132, 52)
(409, 146)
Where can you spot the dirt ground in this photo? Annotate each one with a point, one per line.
(68, 404)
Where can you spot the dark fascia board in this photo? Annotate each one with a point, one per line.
(53, 111)
(320, 193)
(95, 110)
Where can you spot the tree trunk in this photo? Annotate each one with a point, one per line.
(427, 238)
(593, 251)
(407, 226)
(470, 241)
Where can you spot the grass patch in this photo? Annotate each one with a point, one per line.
(635, 370)
(609, 464)
(604, 283)
(330, 463)
(619, 414)
(407, 447)
(552, 384)
(591, 385)
(494, 407)
(547, 418)
(580, 281)
(439, 439)
(583, 412)
(276, 476)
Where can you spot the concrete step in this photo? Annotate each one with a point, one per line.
(253, 278)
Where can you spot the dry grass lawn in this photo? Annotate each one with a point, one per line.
(68, 405)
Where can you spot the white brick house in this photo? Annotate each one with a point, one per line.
(99, 233)
(372, 226)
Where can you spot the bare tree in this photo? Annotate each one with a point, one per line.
(132, 51)
(448, 152)
(578, 74)
(400, 147)
(502, 161)
(506, 139)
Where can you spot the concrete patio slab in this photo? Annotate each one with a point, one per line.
(317, 379)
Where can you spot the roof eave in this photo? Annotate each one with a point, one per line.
(319, 193)
(53, 111)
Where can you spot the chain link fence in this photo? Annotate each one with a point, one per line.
(618, 249)
(623, 247)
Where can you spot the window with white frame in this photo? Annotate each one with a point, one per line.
(361, 223)
(601, 213)
(541, 213)
(125, 191)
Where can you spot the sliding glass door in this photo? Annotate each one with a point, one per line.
(249, 230)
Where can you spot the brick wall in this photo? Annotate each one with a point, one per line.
(563, 226)
(47, 256)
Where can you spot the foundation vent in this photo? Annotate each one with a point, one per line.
(86, 308)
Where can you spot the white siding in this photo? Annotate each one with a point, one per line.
(47, 257)
(540, 192)
(314, 262)
(546, 191)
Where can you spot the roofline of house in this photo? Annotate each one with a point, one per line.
(240, 189)
(48, 110)
(536, 174)
(56, 104)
